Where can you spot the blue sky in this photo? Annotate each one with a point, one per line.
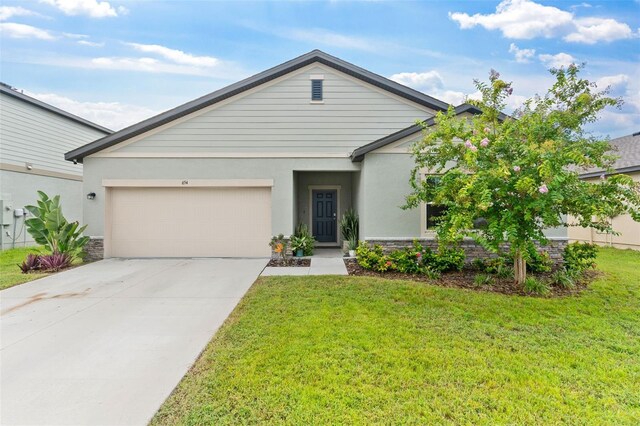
(118, 62)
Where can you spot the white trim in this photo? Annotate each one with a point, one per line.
(39, 172)
(187, 183)
(338, 189)
(316, 102)
(220, 155)
(316, 76)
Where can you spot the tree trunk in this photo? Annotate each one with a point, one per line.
(519, 267)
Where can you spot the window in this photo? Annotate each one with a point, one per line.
(434, 212)
(316, 90)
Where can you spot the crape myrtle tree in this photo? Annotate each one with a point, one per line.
(519, 174)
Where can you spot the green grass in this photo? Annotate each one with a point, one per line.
(360, 350)
(10, 274)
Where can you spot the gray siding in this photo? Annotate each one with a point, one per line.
(280, 118)
(29, 134)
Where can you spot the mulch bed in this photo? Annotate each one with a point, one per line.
(465, 279)
(289, 262)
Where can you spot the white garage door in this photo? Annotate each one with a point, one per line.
(188, 222)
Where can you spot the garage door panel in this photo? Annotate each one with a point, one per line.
(189, 222)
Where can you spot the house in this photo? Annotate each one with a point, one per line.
(627, 148)
(33, 139)
(301, 142)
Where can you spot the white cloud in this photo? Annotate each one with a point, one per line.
(432, 83)
(113, 115)
(525, 19)
(177, 56)
(7, 12)
(593, 30)
(91, 8)
(90, 43)
(521, 55)
(14, 30)
(612, 81)
(557, 60)
(519, 19)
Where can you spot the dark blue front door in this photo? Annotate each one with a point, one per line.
(324, 215)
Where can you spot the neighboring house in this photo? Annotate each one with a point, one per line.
(628, 150)
(33, 139)
(301, 142)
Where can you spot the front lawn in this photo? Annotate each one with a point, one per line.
(10, 274)
(361, 350)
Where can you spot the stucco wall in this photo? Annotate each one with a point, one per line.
(280, 170)
(386, 178)
(628, 229)
(21, 189)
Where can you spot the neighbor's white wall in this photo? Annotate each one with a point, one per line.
(30, 134)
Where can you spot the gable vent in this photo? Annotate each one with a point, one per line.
(316, 90)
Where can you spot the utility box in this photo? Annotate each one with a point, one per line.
(6, 205)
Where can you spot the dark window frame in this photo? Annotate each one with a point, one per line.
(317, 90)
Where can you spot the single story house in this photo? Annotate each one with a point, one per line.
(299, 143)
(627, 148)
(33, 139)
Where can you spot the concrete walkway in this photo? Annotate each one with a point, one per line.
(319, 266)
(106, 343)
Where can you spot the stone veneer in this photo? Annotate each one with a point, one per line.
(94, 249)
(472, 249)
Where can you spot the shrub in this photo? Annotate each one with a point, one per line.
(432, 274)
(561, 278)
(448, 259)
(55, 262)
(349, 225)
(30, 264)
(369, 257)
(535, 286)
(302, 239)
(483, 280)
(49, 228)
(280, 245)
(538, 261)
(578, 257)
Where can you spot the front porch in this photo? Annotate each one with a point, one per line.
(320, 200)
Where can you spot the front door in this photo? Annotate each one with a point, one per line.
(324, 215)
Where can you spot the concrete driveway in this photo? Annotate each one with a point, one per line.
(107, 342)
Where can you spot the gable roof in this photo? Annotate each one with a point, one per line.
(358, 154)
(249, 83)
(628, 150)
(8, 90)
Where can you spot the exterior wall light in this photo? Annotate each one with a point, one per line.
(91, 196)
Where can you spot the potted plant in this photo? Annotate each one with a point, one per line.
(305, 240)
(299, 244)
(352, 245)
(349, 225)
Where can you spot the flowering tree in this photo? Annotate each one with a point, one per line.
(519, 175)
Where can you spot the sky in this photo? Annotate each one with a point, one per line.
(118, 62)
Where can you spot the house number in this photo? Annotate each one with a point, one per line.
(185, 182)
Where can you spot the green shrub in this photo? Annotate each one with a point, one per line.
(483, 280)
(538, 261)
(49, 228)
(534, 286)
(370, 257)
(303, 239)
(448, 259)
(561, 278)
(349, 225)
(579, 257)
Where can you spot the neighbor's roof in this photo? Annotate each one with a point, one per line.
(8, 90)
(314, 56)
(627, 148)
(359, 153)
